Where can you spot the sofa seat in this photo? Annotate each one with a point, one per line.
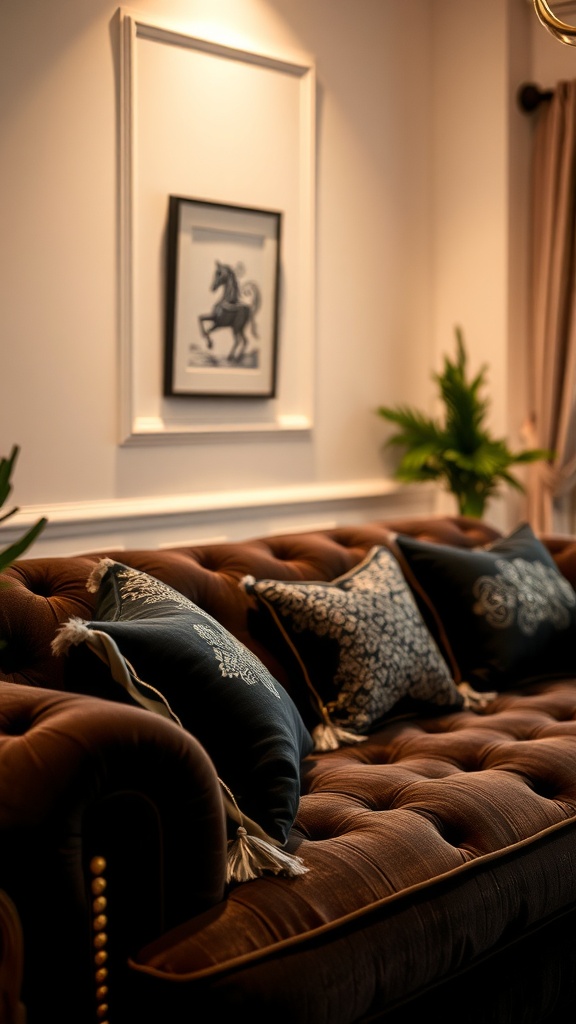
(402, 834)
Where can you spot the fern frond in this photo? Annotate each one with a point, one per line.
(421, 463)
(533, 455)
(9, 554)
(6, 468)
(416, 428)
(13, 551)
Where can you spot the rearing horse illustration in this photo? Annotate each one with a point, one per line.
(231, 311)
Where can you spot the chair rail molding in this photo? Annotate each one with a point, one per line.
(168, 79)
(187, 519)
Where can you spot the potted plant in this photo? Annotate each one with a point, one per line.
(13, 551)
(460, 451)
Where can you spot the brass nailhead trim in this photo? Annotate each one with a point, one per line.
(98, 865)
(100, 940)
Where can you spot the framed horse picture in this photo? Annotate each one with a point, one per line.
(223, 274)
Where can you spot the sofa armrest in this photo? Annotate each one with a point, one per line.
(97, 794)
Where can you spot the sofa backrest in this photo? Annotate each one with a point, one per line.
(40, 594)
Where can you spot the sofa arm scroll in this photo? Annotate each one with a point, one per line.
(62, 754)
(84, 778)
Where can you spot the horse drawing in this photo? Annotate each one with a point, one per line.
(232, 310)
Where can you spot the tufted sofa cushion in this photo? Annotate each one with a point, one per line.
(402, 835)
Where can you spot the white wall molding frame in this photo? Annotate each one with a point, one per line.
(198, 518)
(179, 94)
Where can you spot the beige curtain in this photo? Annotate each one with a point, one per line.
(552, 372)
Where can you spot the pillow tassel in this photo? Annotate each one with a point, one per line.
(475, 700)
(328, 736)
(253, 852)
(73, 632)
(95, 578)
(250, 856)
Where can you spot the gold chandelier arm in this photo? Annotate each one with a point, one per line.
(559, 29)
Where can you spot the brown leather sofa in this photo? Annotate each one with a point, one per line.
(438, 851)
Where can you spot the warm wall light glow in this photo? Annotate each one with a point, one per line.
(561, 30)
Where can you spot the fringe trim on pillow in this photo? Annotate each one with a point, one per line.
(253, 853)
(476, 700)
(95, 578)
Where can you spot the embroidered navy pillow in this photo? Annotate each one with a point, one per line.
(177, 655)
(360, 641)
(506, 610)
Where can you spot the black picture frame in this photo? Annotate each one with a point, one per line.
(222, 300)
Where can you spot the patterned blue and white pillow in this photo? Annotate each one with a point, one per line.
(506, 612)
(359, 641)
(171, 657)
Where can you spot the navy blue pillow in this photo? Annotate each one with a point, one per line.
(180, 661)
(506, 613)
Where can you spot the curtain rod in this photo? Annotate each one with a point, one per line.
(530, 96)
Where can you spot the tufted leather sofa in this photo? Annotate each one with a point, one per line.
(441, 851)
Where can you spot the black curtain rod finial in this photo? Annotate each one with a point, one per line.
(530, 96)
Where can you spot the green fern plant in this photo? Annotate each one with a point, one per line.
(460, 451)
(13, 551)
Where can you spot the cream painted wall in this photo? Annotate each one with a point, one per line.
(482, 54)
(413, 234)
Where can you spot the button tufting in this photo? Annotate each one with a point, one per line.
(17, 725)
